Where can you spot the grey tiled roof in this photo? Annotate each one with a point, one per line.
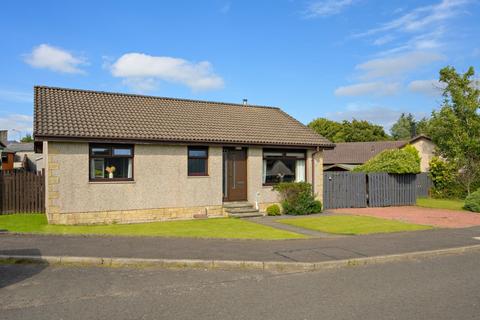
(358, 152)
(72, 113)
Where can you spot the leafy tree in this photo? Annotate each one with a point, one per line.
(399, 161)
(404, 128)
(457, 125)
(422, 127)
(360, 131)
(326, 128)
(27, 138)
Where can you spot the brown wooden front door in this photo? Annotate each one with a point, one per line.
(235, 174)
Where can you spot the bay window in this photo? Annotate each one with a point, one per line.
(111, 162)
(283, 166)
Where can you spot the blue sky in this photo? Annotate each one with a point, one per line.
(340, 59)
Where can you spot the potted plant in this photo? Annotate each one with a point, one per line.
(110, 171)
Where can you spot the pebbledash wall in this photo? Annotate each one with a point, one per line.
(161, 190)
(426, 150)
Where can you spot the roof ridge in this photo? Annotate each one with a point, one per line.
(153, 97)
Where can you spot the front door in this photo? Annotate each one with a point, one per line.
(235, 174)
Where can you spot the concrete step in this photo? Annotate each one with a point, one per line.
(241, 210)
(237, 204)
(252, 214)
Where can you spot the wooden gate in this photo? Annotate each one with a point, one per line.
(344, 190)
(21, 192)
(386, 190)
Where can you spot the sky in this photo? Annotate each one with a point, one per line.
(344, 59)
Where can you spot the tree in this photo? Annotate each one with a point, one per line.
(407, 127)
(326, 128)
(400, 161)
(27, 138)
(346, 131)
(404, 128)
(457, 125)
(360, 131)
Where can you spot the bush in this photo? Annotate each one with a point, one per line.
(444, 176)
(400, 161)
(273, 210)
(472, 202)
(297, 198)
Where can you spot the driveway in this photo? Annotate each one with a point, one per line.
(427, 216)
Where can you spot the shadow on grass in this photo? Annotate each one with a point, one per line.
(14, 271)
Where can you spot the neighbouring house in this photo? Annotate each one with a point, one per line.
(25, 157)
(347, 155)
(3, 145)
(113, 157)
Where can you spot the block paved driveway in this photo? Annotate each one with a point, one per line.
(427, 216)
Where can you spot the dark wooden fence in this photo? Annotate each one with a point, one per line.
(344, 190)
(424, 184)
(22, 192)
(386, 190)
(359, 190)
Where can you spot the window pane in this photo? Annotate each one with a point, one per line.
(122, 167)
(197, 153)
(100, 151)
(273, 154)
(281, 170)
(197, 167)
(97, 168)
(122, 151)
(299, 155)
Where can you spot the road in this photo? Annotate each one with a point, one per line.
(445, 287)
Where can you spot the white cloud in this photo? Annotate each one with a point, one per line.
(397, 65)
(428, 87)
(15, 96)
(143, 71)
(384, 40)
(47, 57)
(375, 88)
(420, 18)
(326, 8)
(17, 125)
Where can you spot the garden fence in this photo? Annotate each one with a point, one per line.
(359, 190)
(22, 192)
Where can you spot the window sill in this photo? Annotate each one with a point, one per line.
(194, 177)
(112, 182)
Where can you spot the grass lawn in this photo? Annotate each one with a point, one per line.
(352, 224)
(208, 228)
(440, 203)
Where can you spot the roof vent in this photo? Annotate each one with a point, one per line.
(245, 102)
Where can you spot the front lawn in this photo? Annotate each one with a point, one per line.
(352, 224)
(440, 203)
(208, 228)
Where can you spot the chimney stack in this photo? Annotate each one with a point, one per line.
(245, 101)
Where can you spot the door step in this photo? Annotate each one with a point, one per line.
(241, 210)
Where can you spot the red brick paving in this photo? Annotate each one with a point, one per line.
(426, 216)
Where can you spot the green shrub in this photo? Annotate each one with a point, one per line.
(273, 210)
(400, 161)
(472, 202)
(298, 198)
(444, 176)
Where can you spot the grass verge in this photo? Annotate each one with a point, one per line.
(440, 203)
(228, 228)
(352, 225)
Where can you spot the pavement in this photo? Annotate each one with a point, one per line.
(441, 288)
(441, 218)
(301, 250)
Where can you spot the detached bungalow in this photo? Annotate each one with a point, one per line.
(114, 157)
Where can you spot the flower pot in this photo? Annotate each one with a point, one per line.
(110, 175)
